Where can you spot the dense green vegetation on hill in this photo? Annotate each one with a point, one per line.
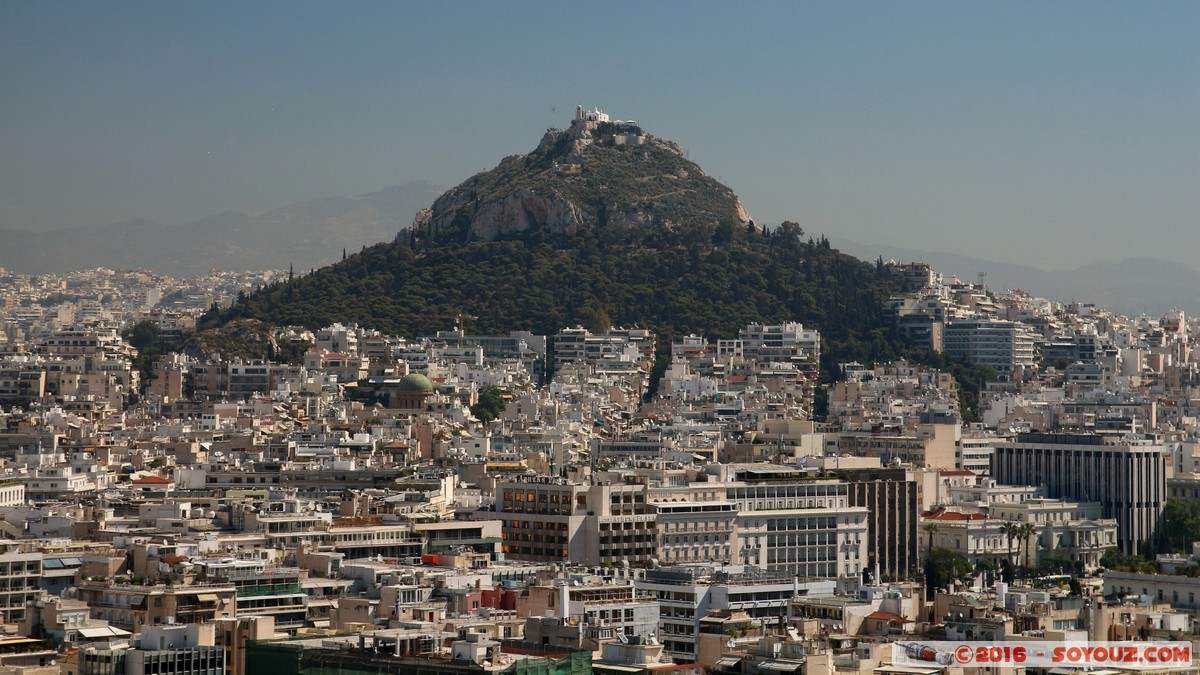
(534, 285)
(529, 283)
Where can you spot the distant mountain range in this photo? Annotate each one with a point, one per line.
(309, 234)
(1130, 286)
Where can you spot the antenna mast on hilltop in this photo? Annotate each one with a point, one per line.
(980, 277)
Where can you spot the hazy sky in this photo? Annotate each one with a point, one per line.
(1049, 133)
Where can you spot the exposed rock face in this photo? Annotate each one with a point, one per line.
(241, 338)
(743, 215)
(591, 175)
(523, 210)
(516, 212)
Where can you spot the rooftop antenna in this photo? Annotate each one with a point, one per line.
(981, 277)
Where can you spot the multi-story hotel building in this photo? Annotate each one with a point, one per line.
(805, 527)
(550, 519)
(1003, 345)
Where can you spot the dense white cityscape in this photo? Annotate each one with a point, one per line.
(622, 338)
(479, 503)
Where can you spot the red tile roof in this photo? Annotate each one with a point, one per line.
(943, 514)
(888, 616)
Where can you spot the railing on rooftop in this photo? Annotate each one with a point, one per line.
(700, 575)
(267, 574)
(268, 589)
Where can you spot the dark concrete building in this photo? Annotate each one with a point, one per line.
(1126, 473)
(893, 513)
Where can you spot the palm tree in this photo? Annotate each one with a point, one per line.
(931, 528)
(1026, 532)
(1011, 531)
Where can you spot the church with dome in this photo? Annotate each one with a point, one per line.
(412, 391)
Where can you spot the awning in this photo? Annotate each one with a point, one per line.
(728, 661)
(208, 597)
(450, 543)
(102, 632)
(781, 665)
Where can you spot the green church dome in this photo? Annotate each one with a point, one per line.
(416, 383)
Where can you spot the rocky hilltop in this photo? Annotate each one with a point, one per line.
(601, 224)
(597, 173)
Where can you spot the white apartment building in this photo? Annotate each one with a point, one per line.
(20, 576)
(697, 531)
(337, 339)
(12, 492)
(578, 345)
(1003, 345)
(696, 524)
(987, 492)
(687, 593)
(974, 453)
(1182, 592)
(81, 342)
(760, 341)
(63, 483)
(804, 527)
